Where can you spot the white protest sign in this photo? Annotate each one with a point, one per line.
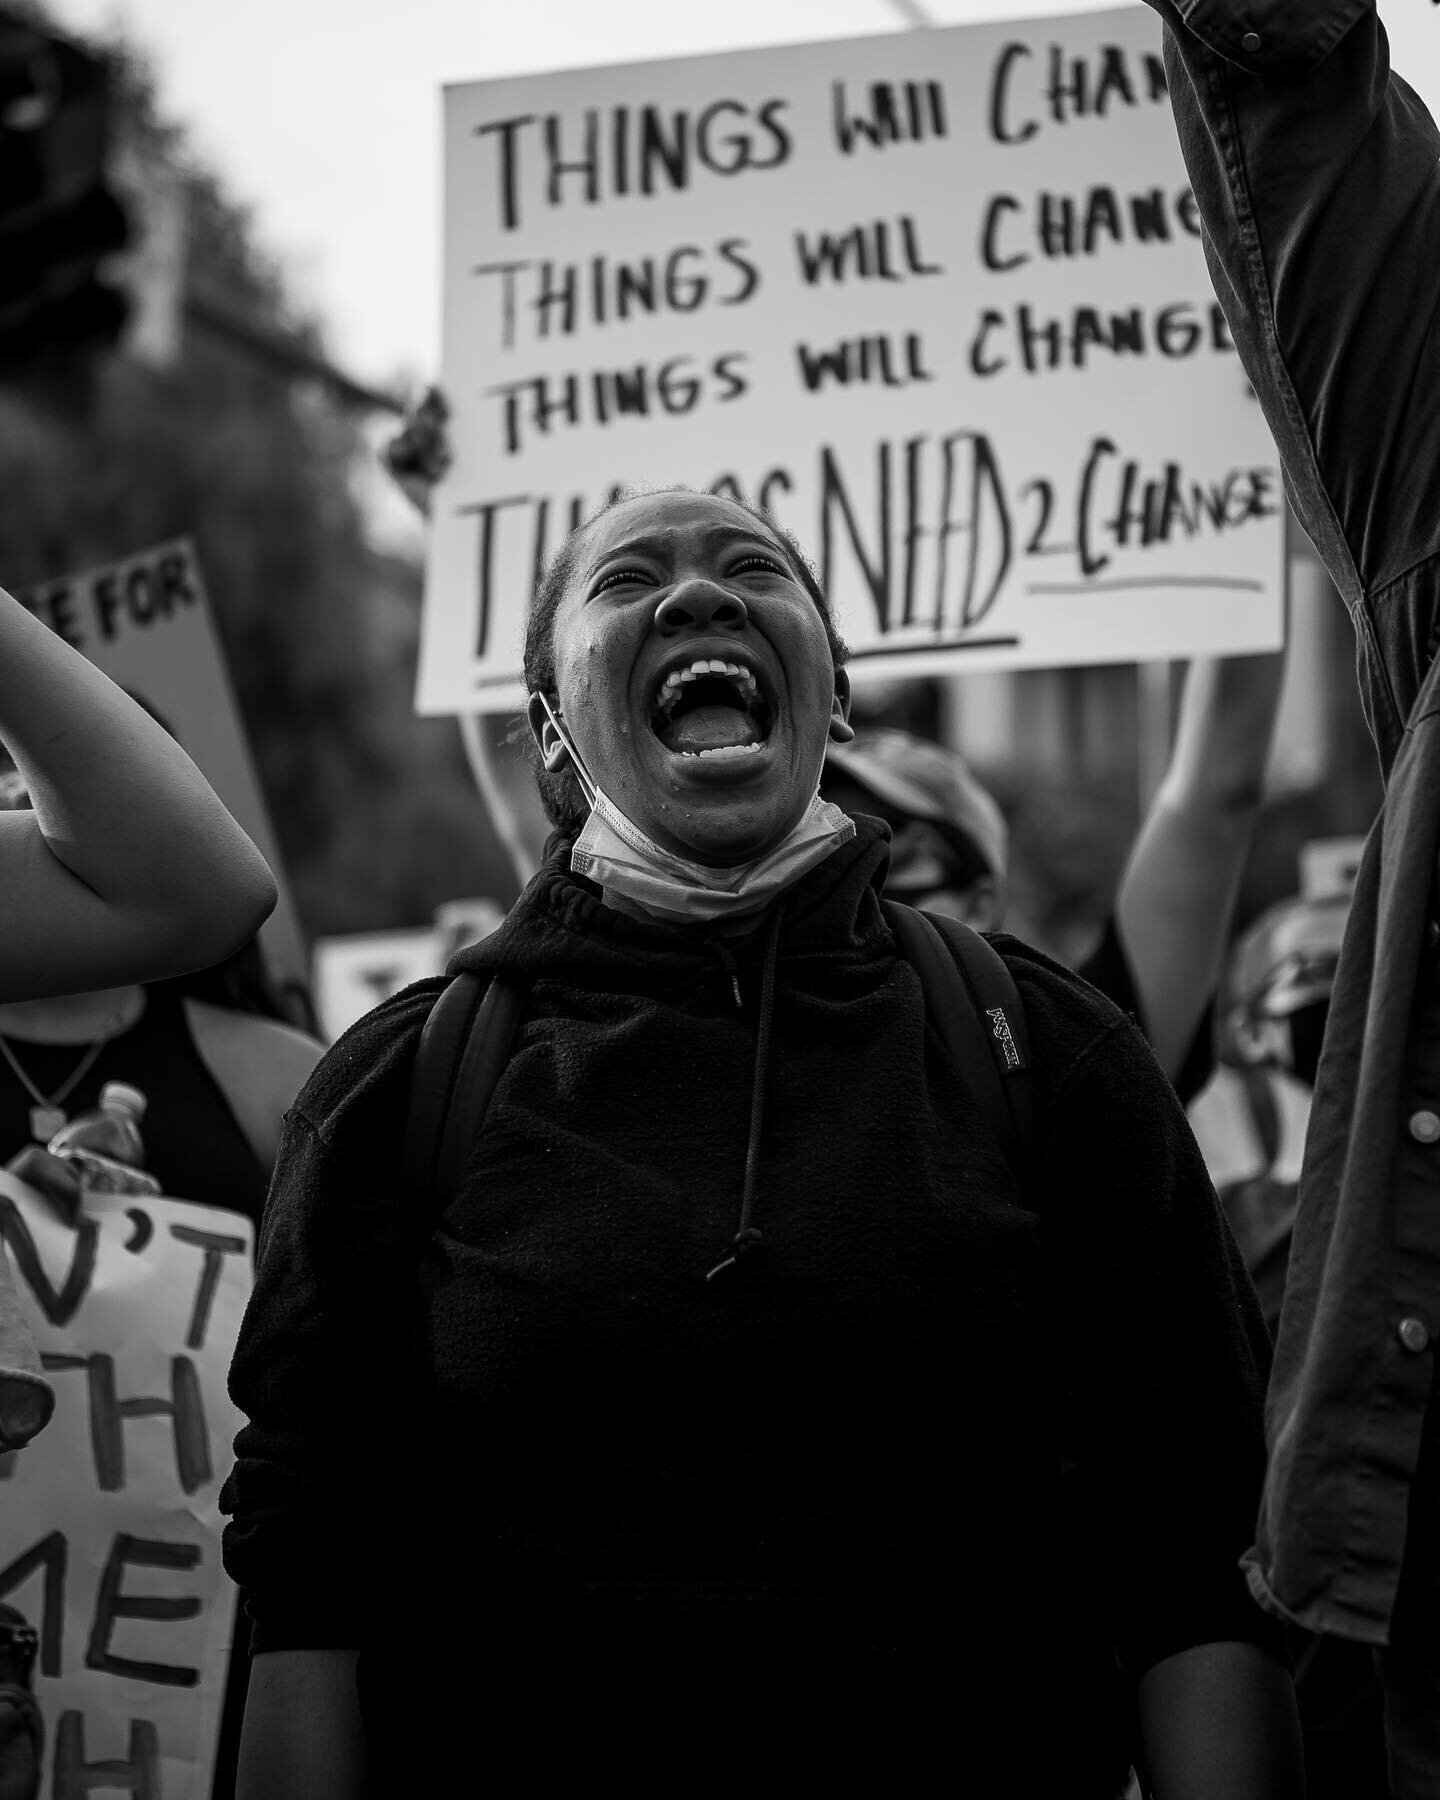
(109, 1520)
(147, 623)
(937, 299)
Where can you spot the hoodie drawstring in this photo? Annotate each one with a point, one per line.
(731, 968)
(747, 1237)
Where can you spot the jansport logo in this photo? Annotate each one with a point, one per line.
(1000, 1027)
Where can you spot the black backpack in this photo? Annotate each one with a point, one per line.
(971, 1002)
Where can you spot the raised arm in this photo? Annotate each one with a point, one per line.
(1317, 173)
(1177, 894)
(128, 868)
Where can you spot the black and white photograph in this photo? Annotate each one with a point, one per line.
(720, 899)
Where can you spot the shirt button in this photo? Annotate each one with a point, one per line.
(1413, 1335)
(1250, 42)
(1425, 1126)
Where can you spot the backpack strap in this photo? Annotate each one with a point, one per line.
(463, 1048)
(975, 1009)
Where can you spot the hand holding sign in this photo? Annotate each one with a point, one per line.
(419, 454)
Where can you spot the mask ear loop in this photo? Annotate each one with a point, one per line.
(587, 786)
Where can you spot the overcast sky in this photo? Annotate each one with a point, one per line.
(324, 114)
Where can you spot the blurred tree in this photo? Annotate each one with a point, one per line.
(376, 812)
(59, 221)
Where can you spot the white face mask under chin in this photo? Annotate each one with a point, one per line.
(613, 851)
(641, 875)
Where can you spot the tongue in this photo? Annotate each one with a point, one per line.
(710, 728)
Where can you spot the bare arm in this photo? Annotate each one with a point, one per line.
(1218, 1722)
(303, 1738)
(129, 868)
(1177, 894)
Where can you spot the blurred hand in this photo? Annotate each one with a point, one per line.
(419, 454)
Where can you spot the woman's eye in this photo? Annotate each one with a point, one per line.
(618, 576)
(767, 563)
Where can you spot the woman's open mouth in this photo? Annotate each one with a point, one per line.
(711, 707)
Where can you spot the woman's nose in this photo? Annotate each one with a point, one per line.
(699, 605)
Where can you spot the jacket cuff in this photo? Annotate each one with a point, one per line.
(287, 1626)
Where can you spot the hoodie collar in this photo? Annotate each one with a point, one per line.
(560, 927)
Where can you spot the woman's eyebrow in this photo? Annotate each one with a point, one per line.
(659, 549)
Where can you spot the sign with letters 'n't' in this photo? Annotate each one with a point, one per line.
(109, 1519)
(936, 299)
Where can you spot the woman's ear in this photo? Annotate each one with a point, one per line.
(546, 734)
(841, 729)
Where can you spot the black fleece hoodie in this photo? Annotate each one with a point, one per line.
(935, 1424)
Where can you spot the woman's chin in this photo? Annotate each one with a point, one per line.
(722, 836)
(722, 808)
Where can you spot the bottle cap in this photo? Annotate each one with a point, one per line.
(119, 1096)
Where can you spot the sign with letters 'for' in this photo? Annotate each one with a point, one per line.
(109, 1520)
(937, 299)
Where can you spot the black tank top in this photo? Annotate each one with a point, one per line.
(193, 1144)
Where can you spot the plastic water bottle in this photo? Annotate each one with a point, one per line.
(104, 1147)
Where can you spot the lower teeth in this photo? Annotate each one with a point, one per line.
(721, 749)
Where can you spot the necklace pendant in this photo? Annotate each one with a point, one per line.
(45, 1121)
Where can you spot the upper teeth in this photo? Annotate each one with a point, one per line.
(676, 679)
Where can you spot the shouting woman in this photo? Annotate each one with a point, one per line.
(745, 1413)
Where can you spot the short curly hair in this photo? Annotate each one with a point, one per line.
(560, 791)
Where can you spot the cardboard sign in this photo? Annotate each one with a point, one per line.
(937, 299)
(109, 1520)
(355, 973)
(1329, 867)
(147, 623)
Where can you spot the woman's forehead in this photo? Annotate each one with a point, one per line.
(682, 519)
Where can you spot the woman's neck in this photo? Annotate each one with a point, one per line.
(73, 1018)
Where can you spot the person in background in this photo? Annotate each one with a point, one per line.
(126, 867)
(1316, 172)
(218, 1065)
(949, 846)
(1161, 952)
(1251, 1120)
(1251, 1123)
(210, 1049)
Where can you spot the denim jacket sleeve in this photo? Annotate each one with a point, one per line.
(1274, 35)
(1317, 174)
